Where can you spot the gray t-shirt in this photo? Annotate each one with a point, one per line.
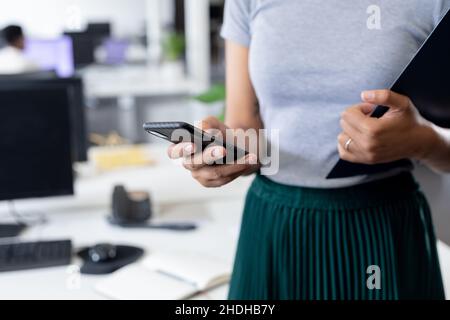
(311, 59)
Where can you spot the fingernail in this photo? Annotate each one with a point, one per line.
(368, 95)
(189, 148)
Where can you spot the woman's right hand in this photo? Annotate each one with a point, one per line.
(201, 165)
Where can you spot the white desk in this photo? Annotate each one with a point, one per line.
(138, 81)
(82, 218)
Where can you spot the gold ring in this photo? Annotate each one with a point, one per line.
(347, 144)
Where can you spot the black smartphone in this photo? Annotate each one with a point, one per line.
(178, 132)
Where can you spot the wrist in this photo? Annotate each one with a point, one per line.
(428, 141)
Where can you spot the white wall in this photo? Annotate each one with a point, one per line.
(50, 17)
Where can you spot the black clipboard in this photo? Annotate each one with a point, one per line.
(426, 80)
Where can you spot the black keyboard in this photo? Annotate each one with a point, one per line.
(34, 255)
(11, 230)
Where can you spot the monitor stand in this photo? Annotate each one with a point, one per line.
(21, 222)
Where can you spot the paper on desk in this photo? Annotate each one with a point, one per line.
(201, 271)
(173, 276)
(137, 282)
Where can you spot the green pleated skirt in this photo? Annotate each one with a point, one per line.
(369, 242)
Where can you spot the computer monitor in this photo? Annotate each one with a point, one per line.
(35, 142)
(83, 48)
(75, 92)
(99, 29)
(115, 51)
(52, 54)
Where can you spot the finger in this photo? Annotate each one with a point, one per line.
(180, 150)
(351, 153)
(213, 127)
(346, 155)
(351, 131)
(233, 169)
(356, 117)
(213, 154)
(367, 108)
(343, 140)
(386, 98)
(224, 172)
(211, 123)
(350, 145)
(216, 183)
(214, 135)
(207, 158)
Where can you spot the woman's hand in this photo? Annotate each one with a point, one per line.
(202, 166)
(401, 133)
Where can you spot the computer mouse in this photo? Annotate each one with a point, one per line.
(102, 253)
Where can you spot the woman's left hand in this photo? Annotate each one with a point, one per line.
(400, 133)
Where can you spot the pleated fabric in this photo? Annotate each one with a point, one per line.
(320, 244)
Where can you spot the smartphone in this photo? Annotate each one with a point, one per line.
(168, 131)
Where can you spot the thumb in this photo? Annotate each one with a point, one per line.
(212, 123)
(386, 98)
(214, 127)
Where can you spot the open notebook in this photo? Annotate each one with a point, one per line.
(166, 277)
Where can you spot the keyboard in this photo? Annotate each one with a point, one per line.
(34, 255)
(11, 230)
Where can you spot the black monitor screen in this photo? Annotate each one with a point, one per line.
(83, 48)
(74, 87)
(101, 29)
(35, 143)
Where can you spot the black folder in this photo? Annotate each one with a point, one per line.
(426, 80)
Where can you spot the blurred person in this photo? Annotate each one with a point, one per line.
(12, 57)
